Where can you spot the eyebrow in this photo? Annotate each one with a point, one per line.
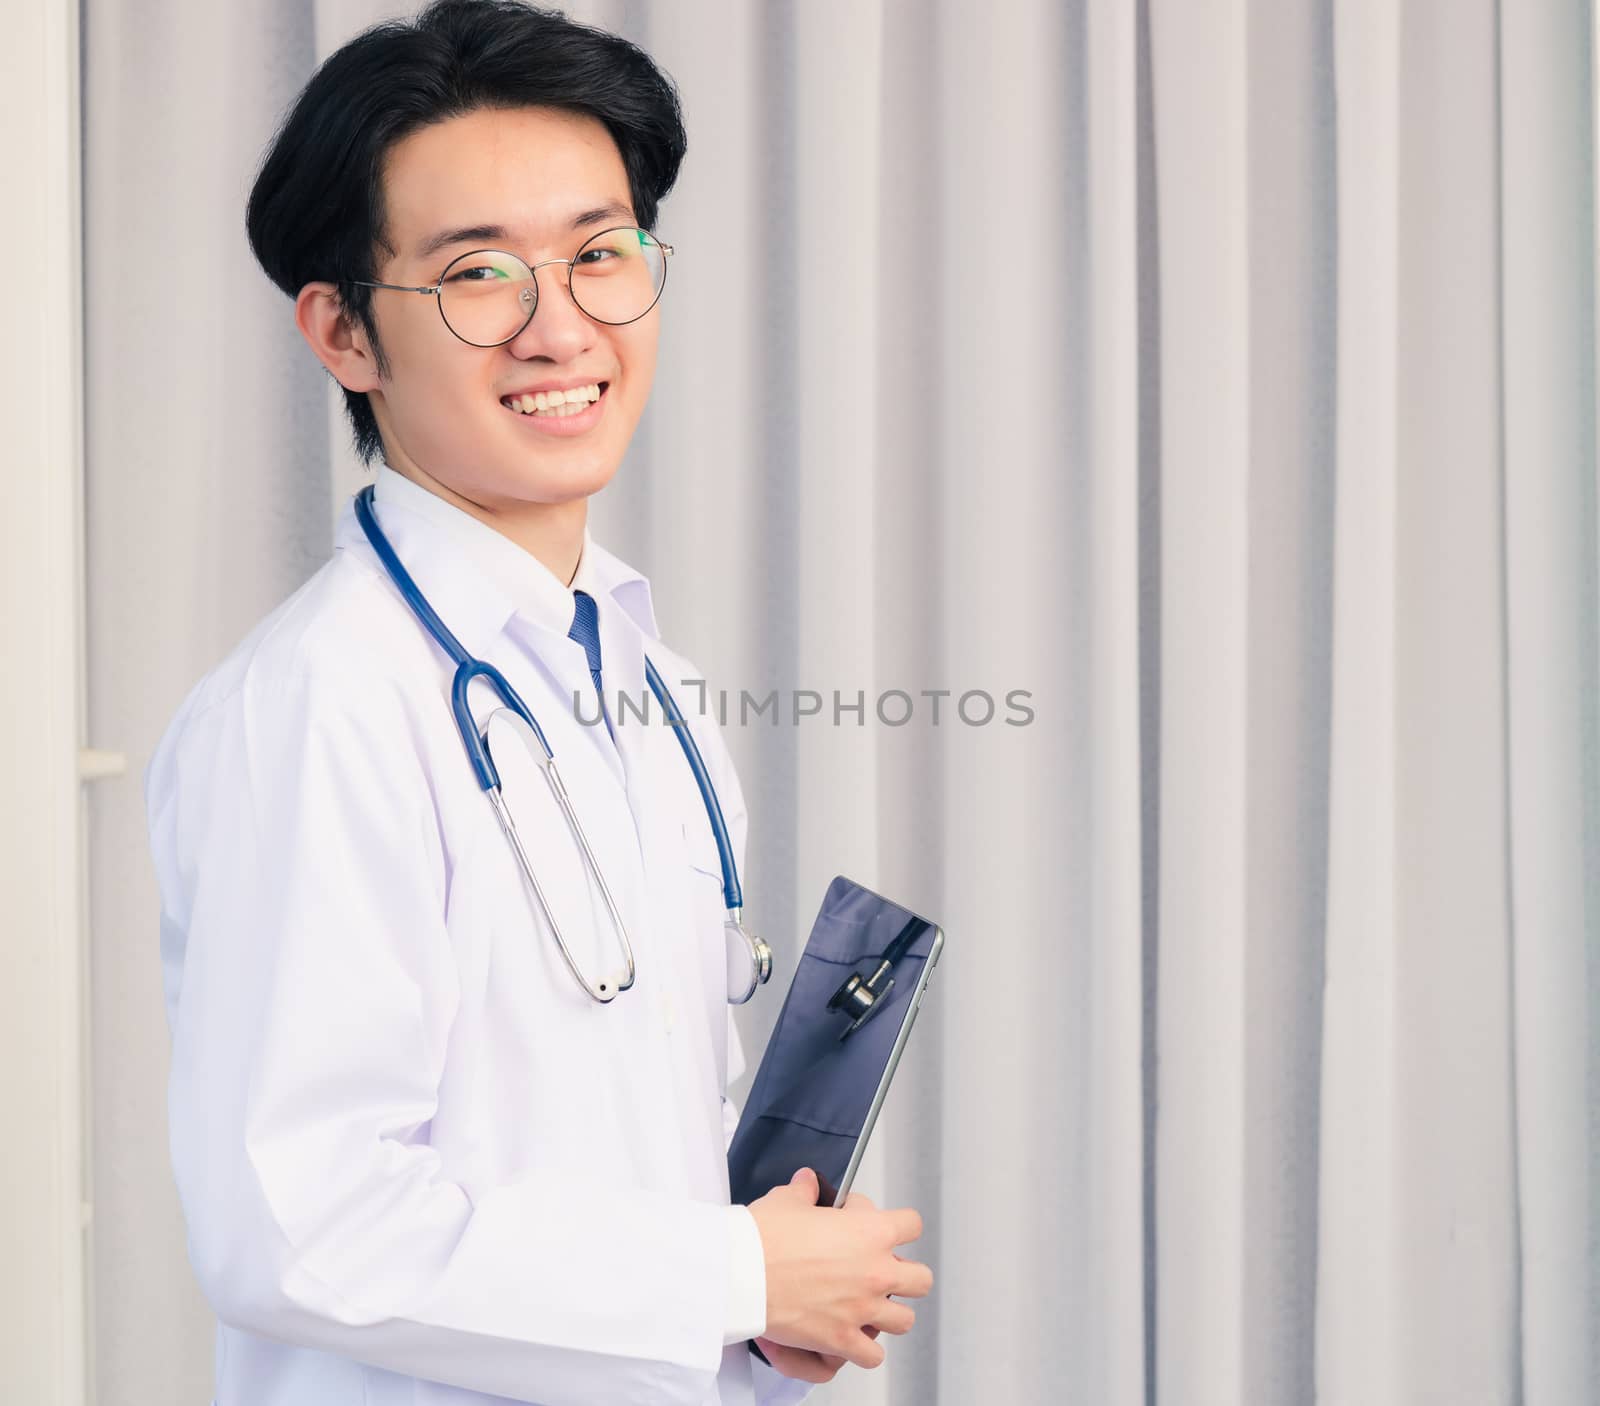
(477, 233)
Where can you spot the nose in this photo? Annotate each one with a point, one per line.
(559, 330)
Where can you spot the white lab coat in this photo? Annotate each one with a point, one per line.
(417, 1164)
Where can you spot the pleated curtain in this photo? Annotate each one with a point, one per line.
(1217, 378)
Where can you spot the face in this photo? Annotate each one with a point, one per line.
(536, 182)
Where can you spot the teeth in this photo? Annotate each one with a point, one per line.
(558, 404)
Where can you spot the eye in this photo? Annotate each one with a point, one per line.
(478, 273)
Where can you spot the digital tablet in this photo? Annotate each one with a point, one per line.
(843, 1027)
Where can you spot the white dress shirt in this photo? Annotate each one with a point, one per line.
(417, 1163)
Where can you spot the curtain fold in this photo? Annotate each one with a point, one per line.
(1219, 374)
(1548, 368)
(1359, 1314)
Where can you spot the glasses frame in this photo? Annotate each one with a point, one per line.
(434, 290)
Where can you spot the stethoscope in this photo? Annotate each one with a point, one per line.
(861, 997)
(749, 957)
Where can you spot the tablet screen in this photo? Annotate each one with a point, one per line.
(815, 1095)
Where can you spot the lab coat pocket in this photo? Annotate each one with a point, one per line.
(700, 852)
(703, 875)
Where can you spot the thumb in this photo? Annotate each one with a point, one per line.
(805, 1180)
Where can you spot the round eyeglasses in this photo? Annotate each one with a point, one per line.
(488, 296)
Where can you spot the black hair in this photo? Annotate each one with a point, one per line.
(316, 211)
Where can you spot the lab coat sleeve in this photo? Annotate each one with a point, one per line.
(771, 1388)
(747, 1282)
(303, 880)
(747, 1272)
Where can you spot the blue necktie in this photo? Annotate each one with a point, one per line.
(586, 630)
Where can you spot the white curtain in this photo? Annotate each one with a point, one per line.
(1221, 372)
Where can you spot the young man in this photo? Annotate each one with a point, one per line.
(420, 1159)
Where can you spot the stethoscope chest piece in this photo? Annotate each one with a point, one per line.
(749, 961)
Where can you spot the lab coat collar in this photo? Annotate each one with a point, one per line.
(526, 585)
(615, 577)
(436, 540)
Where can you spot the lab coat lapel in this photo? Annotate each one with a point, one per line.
(636, 722)
(468, 601)
(624, 753)
(563, 662)
(627, 630)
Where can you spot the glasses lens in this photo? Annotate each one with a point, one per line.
(487, 297)
(617, 276)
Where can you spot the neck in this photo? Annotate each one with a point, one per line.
(550, 532)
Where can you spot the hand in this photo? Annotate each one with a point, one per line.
(829, 1276)
(803, 1365)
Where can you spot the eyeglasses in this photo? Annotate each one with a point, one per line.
(488, 296)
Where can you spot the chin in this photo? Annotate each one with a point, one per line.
(563, 484)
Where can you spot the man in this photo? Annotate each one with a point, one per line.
(418, 1162)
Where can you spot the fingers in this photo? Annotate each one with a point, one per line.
(892, 1317)
(905, 1225)
(902, 1226)
(800, 1363)
(910, 1279)
(863, 1350)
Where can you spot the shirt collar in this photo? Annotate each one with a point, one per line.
(435, 538)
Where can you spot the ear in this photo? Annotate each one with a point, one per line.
(335, 337)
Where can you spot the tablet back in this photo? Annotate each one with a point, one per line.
(816, 1095)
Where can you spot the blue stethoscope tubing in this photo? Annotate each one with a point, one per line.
(468, 669)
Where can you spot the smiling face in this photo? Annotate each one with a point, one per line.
(538, 183)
